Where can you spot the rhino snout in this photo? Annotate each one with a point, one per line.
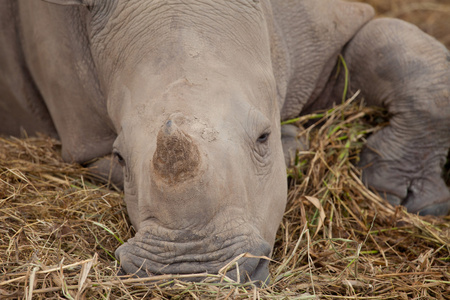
(147, 257)
(176, 158)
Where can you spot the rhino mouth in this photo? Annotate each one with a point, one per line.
(147, 255)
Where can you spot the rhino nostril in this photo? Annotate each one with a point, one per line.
(261, 272)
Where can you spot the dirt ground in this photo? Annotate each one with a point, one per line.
(432, 16)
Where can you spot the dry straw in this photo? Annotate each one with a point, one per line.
(59, 230)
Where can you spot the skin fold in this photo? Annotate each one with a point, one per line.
(189, 97)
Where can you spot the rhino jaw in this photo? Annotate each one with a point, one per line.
(176, 158)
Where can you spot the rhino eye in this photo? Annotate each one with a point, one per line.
(119, 157)
(263, 137)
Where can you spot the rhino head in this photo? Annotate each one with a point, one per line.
(192, 95)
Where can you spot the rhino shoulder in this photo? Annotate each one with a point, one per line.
(336, 20)
(314, 33)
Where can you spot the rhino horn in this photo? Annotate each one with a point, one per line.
(177, 157)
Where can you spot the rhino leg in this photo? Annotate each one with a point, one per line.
(293, 142)
(399, 67)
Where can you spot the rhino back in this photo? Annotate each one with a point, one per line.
(315, 31)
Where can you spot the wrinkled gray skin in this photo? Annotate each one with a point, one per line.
(189, 95)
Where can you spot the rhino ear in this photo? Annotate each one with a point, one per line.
(70, 2)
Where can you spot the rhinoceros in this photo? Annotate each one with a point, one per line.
(189, 97)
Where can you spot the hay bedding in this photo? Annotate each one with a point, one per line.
(338, 240)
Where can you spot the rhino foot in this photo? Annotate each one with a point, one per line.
(408, 178)
(438, 208)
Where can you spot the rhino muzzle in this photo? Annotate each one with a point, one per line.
(176, 158)
(146, 255)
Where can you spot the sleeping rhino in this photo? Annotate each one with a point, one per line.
(189, 97)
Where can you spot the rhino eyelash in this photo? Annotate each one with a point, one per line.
(263, 138)
(119, 157)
